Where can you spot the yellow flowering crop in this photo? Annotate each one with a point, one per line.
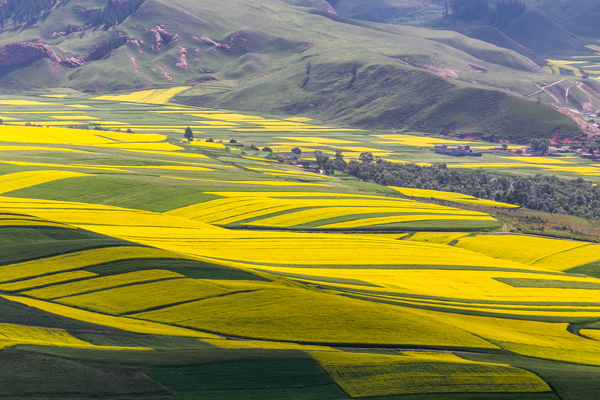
(123, 323)
(309, 249)
(518, 248)
(265, 183)
(25, 222)
(134, 137)
(153, 96)
(306, 316)
(208, 144)
(309, 210)
(437, 237)
(564, 260)
(38, 148)
(421, 141)
(105, 282)
(140, 297)
(465, 288)
(313, 139)
(538, 160)
(591, 333)
(76, 260)
(367, 374)
(46, 280)
(360, 214)
(264, 344)
(534, 339)
(25, 103)
(170, 153)
(21, 180)
(401, 218)
(450, 196)
(11, 335)
(141, 146)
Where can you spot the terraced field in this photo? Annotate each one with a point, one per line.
(210, 270)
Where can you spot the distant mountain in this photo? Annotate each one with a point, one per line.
(296, 58)
(545, 27)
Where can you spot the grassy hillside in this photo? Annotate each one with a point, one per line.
(232, 55)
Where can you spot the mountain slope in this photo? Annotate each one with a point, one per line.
(268, 48)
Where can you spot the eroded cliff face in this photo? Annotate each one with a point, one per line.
(20, 52)
(16, 53)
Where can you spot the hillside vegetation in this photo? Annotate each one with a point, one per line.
(298, 58)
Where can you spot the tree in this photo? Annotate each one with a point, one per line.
(366, 157)
(297, 150)
(535, 144)
(544, 145)
(189, 135)
(267, 149)
(339, 163)
(233, 141)
(321, 159)
(210, 140)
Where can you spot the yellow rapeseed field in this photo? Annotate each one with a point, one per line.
(21, 180)
(237, 208)
(11, 335)
(123, 323)
(367, 374)
(153, 96)
(450, 196)
(39, 148)
(519, 248)
(208, 144)
(376, 221)
(264, 344)
(360, 214)
(534, 339)
(105, 282)
(305, 316)
(481, 290)
(25, 103)
(76, 260)
(170, 153)
(437, 237)
(46, 280)
(421, 141)
(564, 260)
(301, 249)
(264, 183)
(129, 299)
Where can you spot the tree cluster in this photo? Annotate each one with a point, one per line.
(540, 145)
(505, 12)
(541, 192)
(114, 13)
(26, 11)
(467, 10)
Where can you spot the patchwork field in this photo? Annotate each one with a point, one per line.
(211, 270)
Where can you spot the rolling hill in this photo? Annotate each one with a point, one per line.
(298, 58)
(137, 265)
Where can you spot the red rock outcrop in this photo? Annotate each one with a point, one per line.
(16, 53)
